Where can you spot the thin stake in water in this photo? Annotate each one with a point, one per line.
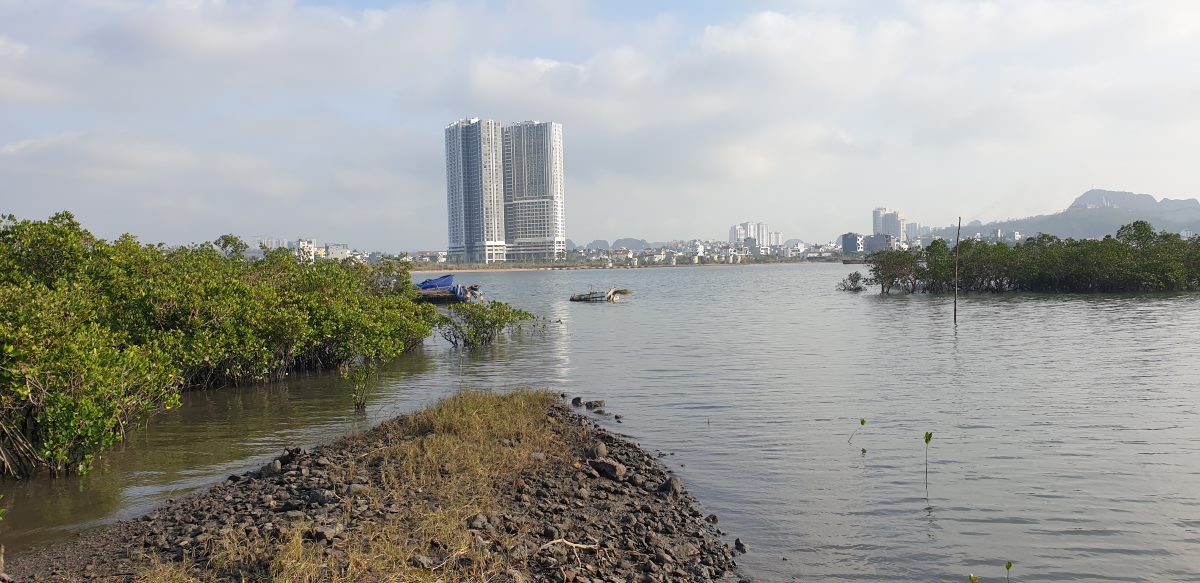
(957, 237)
(928, 438)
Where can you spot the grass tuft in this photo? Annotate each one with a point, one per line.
(434, 469)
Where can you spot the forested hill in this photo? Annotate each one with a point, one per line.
(1097, 213)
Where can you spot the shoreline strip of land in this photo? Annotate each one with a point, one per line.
(481, 486)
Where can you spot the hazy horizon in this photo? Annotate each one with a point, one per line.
(180, 121)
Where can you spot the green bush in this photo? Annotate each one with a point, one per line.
(97, 335)
(478, 323)
(1138, 259)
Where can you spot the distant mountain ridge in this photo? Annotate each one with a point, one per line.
(1135, 202)
(1095, 214)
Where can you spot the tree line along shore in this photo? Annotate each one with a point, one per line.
(1137, 259)
(97, 335)
(480, 486)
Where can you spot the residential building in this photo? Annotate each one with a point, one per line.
(775, 238)
(304, 251)
(749, 230)
(337, 251)
(879, 242)
(912, 231)
(534, 216)
(877, 219)
(475, 191)
(852, 244)
(892, 223)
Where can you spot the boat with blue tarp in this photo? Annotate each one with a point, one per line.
(443, 290)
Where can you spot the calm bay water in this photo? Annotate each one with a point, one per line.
(1066, 428)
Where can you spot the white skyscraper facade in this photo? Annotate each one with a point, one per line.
(737, 234)
(749, 230)
(475, 191)
(534, 192)
(877, 219)
(886, 221)
(894, 225)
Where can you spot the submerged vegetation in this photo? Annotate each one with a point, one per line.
(862, 422)
(1137, 259)
(469, 325)
(96, 335)
(852, 283)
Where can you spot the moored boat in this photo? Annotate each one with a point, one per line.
(443, 290)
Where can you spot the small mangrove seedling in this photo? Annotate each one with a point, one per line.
(864, 451)
(361, 375)
(928, 438)
(862, 422)
(971, 578)
(1007, 570)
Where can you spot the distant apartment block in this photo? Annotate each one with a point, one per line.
(534, 215)
(305, 251)
(886, 221)
(750, 230)
(912, 231)
(475, 191)
(880, 242)
(337, 251)
(737, 234)
(894, 225)
(505, 191)
(877, 219)
(274, 243)
(853, 244)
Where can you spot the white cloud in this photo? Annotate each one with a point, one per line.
(189, 119)
(11, 49)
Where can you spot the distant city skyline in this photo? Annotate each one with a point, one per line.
(181, 121)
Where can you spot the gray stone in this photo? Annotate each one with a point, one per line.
(609, 468)
(671, 487)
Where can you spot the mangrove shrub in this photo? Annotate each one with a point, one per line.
(1137, 259)
(472, 324)
(96, 335)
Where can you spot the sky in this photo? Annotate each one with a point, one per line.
(183, 120)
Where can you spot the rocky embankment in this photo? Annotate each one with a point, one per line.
(594, 508)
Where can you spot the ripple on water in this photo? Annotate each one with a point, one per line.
(1064, 434)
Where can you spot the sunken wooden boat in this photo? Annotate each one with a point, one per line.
(611, 295)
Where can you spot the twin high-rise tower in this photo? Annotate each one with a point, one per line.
(505, 191)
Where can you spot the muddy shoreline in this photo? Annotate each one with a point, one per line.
(594, 507)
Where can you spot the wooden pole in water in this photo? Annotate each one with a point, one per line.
(957, 237)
